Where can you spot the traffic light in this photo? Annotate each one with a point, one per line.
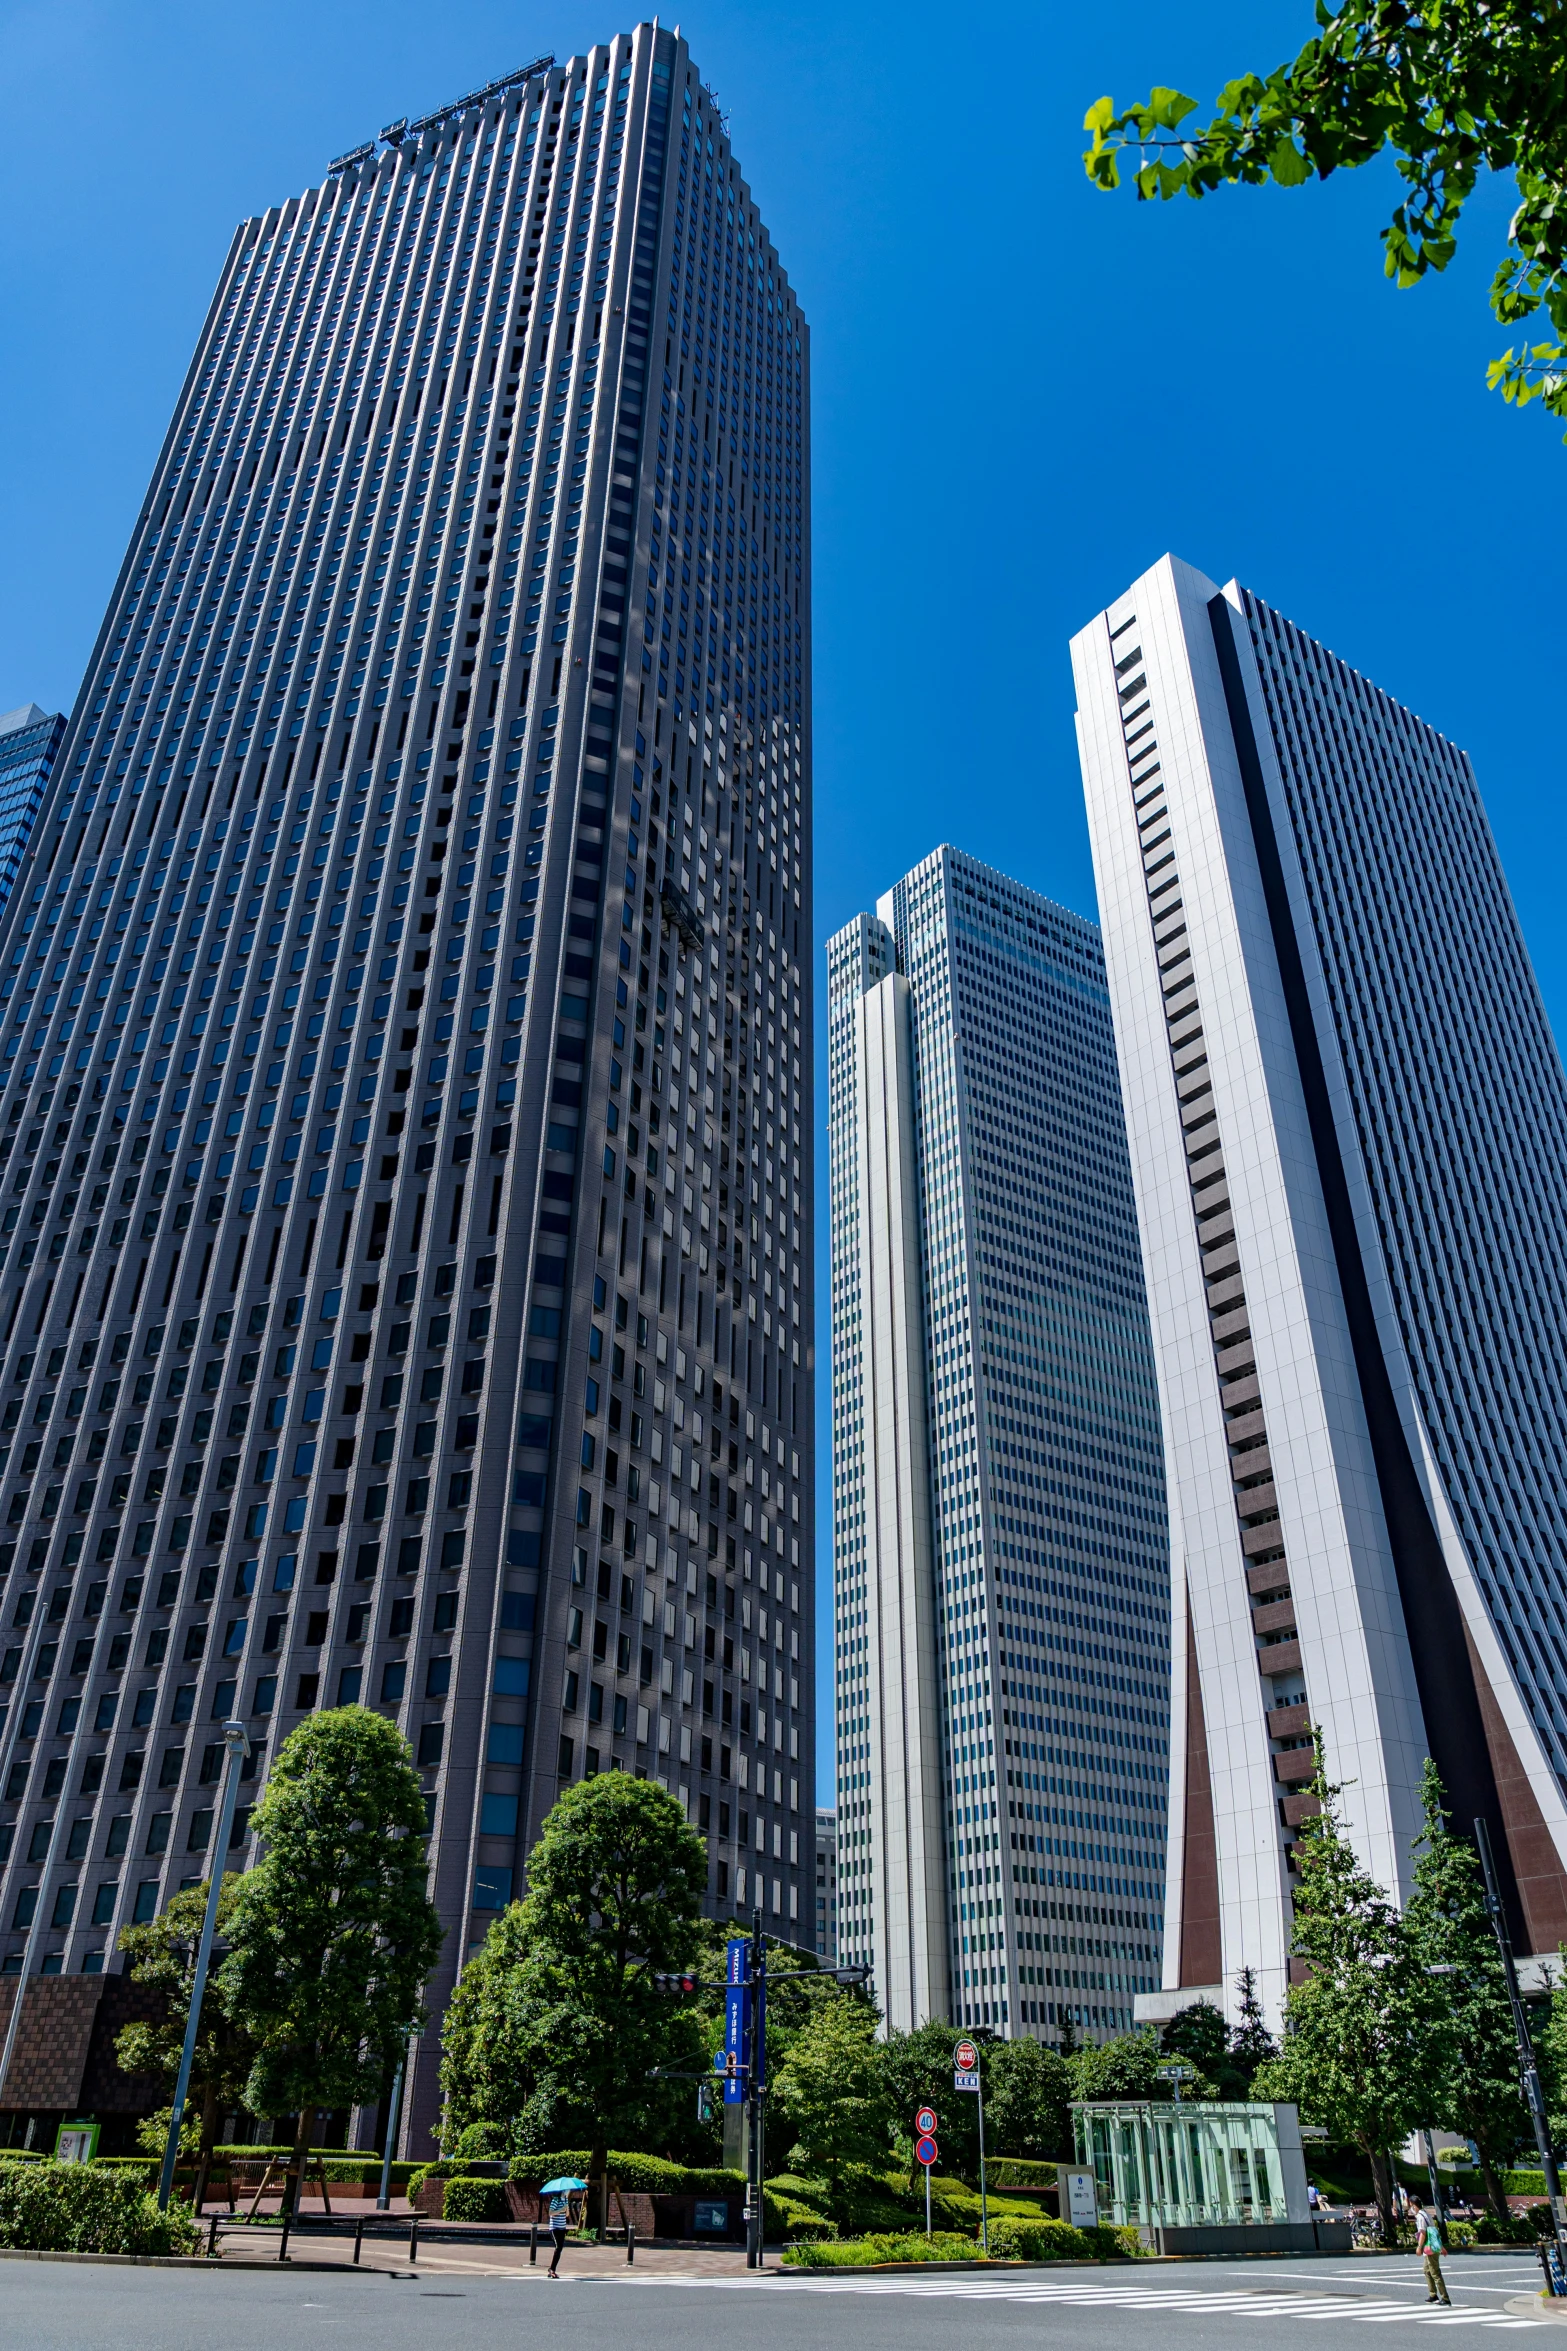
(675, 1983)
(704, 2103)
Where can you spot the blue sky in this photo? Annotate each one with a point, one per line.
(1024, 392)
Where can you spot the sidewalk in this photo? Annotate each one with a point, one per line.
(389, 2257)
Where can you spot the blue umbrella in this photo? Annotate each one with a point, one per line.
(561, 2186)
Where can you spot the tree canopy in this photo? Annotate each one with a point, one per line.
(1364, 2032)
(332, 1934)
(555, 2029)
(1478, 2094)
(162, 1954)
(1452, 88)
(834, 2090)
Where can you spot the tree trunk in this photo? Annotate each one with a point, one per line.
(598, 2165)
(1495, 2193)
(294, 2179)
(1382, 2189)
(209, 2132)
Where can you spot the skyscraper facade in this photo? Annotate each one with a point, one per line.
(1001, 1580)
(406, 1294)
(29, 740)
(827, 1886)
(1348, 1129)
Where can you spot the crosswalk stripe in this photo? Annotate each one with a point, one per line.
(1240, 2302)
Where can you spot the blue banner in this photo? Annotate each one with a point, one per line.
(737, 2004)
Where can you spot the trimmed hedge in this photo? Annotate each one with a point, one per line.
(476, 2200)
(638, 2174)
(1019, 2171)
(84, 2208)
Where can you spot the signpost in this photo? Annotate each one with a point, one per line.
(1079, 2197)
(925, 2151)
(965, 2076)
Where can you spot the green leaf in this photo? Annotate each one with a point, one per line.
(1288, 166)
(1100, 115)
(1169, 108)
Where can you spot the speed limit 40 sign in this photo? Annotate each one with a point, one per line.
(925, 2122)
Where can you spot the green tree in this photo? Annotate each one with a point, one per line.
(1363, 2047)
(1251, 2043)
(834, 2090)
(1452, 87)
(1121, 2069)
(1028, 2098)
(332, 1934)
(555, 2026)
(162, 1954)
(1478, 2093)
(917, 2067)
(1548, 2026)
(1197, 2036)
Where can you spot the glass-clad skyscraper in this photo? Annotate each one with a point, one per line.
(29, 740)
(1001, 1582)
(1348, 1126)
(405, 1074)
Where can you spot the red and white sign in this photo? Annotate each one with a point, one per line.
(925, 2149)
(925, 2121)
(965, 2058)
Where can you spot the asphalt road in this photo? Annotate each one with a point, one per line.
(65, 2306)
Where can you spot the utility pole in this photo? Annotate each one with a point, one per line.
(383, 2201)
(1529, 2072)
(238, 1746)
(756, 2082)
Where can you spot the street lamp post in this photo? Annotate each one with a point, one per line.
(238, 1746)
(1529, 2072)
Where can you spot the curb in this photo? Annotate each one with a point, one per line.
(189, 2261)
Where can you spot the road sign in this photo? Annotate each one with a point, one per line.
(965, 2057)
(925, 2121)
(965, 2081)
(925, 2149)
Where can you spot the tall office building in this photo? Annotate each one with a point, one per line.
(405, 1084)
(1348, 1129)
(29, 740)
(998, 1515)
(827, 1886)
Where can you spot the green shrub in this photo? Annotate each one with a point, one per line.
(868, 2252)
(647, 2175)
(83, 2208)
(482, 2142)
(1018, 2171)
(476, 2200)
(1057, 2240)
(784, 2221)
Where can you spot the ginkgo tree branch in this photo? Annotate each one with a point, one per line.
(1450, 88)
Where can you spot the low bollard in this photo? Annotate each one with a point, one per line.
(533, 2246)
(631, 2244)
(413, 2241)
(212, 2238)
(282, 2251)
(359, 2237)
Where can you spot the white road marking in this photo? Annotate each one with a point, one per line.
(1240, 2302)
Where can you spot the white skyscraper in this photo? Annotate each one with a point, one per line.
(999, 1531)
(1348, 1129)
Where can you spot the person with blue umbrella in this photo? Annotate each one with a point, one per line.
(560, 2193)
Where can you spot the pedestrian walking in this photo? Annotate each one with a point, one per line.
(559, 2193)
(1428, 2238)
